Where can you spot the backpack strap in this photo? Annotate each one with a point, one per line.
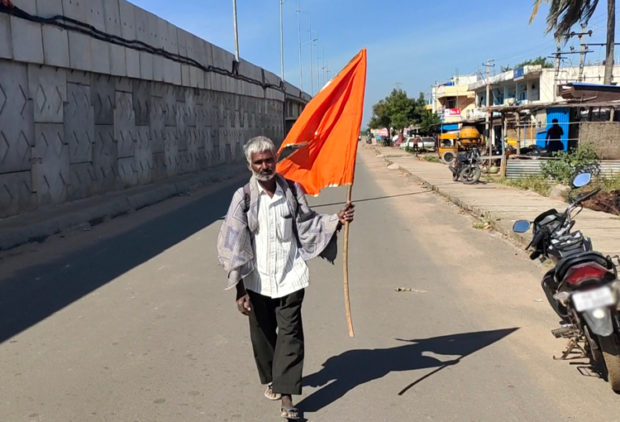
(291, 186)
(246, 197)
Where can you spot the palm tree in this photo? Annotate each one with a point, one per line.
(563, 14)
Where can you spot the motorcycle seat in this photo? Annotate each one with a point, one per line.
(576, 259)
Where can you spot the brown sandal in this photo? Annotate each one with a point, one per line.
(271, 395)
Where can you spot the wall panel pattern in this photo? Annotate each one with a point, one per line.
(81, 117)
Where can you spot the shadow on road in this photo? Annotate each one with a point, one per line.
(342, 373)
(37, 292)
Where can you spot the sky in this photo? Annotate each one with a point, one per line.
(411, 44)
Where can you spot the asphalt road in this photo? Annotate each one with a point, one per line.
(129, 322)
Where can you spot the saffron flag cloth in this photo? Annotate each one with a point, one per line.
(325, 135)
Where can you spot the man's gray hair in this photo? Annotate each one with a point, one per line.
(256, 145)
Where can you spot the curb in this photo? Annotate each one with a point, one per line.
(37, 225)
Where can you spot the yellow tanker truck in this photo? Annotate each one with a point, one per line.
(451, 143)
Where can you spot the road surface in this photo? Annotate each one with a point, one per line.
(128, 321)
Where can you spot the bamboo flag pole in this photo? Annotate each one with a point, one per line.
(345, 259)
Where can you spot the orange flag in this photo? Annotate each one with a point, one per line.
(326, 132)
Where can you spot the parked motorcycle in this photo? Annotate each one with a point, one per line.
(466, 166)
(582, 288)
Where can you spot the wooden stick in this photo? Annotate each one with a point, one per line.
(345, 259)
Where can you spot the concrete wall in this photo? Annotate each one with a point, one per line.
(80, 116)
(605, 136)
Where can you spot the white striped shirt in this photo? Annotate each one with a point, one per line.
(280, 269)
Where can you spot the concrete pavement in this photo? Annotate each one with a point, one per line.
(501, 205)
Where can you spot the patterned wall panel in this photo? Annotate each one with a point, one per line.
(103, 99)
(50, 167)
(104, 158)
(79, 123)
(169, 110)
(124, 125)
(16, 118)
(16, 193)
(143, 155)
(47, 87)
(157, 124)
(82, 178)
(127, 172)
(142, 101)
(193, 150)
(171, 151)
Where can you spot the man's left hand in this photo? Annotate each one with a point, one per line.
(347, 213)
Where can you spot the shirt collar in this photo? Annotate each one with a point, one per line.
(278, 191)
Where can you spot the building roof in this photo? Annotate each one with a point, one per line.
(587, 92)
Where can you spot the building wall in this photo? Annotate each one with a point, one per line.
(604, 136)
(80, 116)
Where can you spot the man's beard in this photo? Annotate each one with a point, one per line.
(264, 176)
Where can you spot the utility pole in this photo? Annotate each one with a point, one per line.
(236, 31)
(281, 43)
(556, 73)
(487, 120)
(583, 51)
(609, 57)
(301, 79)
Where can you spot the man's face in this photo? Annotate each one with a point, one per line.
(263, 165)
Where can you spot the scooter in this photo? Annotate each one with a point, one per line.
(582, 288)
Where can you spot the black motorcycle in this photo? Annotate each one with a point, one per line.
(466, 166)
(582, 288)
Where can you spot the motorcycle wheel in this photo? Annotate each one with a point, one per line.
(470, 175)
(611, 354)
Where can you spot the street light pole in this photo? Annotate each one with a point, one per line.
(301, 79)
(236, 32)
(281, 43)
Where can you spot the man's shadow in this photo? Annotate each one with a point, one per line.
(344, 372)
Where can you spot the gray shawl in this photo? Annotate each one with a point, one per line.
(235, 242)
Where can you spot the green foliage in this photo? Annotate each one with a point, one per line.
(610, 183)
(429, 122)
(432, 158)
(537, 183)
(568, 165)
(380, 117)
(531, 62)
(398, 111)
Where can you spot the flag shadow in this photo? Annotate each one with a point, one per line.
(342, 373)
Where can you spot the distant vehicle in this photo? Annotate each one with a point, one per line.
(408, 143)
(427, 143)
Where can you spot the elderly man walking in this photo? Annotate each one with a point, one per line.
(268, 234)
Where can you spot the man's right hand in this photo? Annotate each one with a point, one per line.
(243, 299)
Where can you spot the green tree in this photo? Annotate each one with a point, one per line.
(563, 14)
(532, 62)
(394, 111)
(380, 117)
(429, 122)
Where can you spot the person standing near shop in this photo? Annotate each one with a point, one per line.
(268, 234)
(554, 137)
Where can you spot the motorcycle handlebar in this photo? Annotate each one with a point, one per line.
(586, 196)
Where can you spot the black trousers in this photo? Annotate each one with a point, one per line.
(278, 340)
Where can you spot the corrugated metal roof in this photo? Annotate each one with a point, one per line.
(516, 169)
